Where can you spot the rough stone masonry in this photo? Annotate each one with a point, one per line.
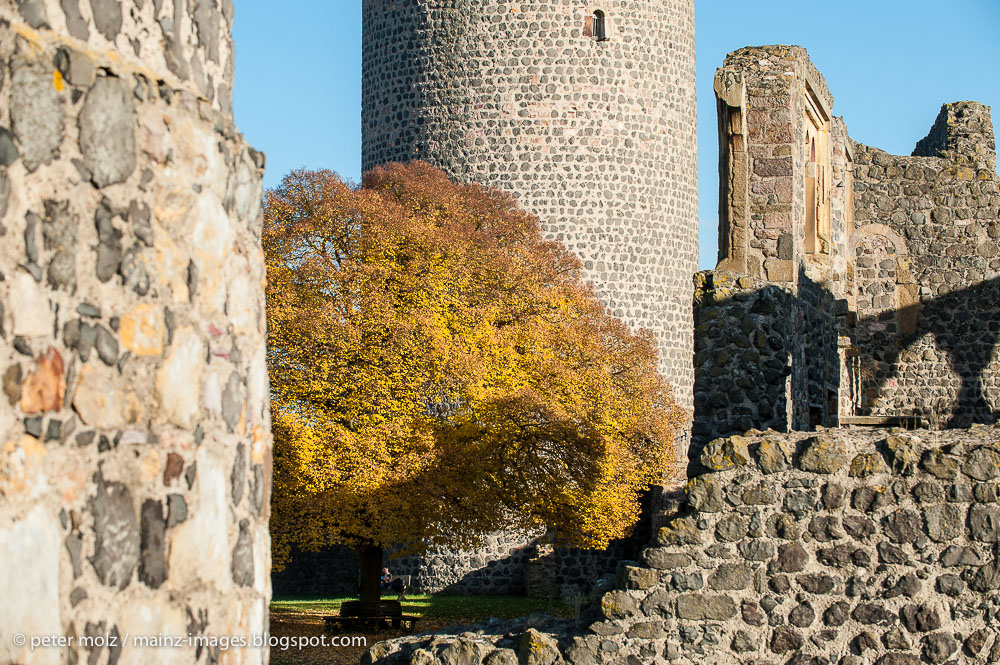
(135, 450)
(849, 546)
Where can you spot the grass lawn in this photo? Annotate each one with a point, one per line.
(461, 609)
(303, 617)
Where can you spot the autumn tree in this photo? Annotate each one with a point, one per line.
(439, 371)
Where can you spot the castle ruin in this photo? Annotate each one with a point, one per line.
(853, 288)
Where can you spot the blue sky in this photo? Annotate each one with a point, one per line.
(890, 64)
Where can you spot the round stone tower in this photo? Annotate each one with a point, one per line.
(586, 112)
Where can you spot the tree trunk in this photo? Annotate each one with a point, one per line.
(370, 557)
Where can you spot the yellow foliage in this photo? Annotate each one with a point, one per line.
(439, 371)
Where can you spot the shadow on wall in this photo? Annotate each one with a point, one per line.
(765, 357)
(508, 563)
(937, 358)
(768, 358)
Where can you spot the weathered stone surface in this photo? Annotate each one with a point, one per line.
(896, 658)
(955, 555)
(637, 577)
(704, 494)
(976, 642)
(730, 577)
(618, 605)
(99, 235)
(938, 647)
(179, 377)
(29, 549)
(792, 558)
(817, 583)
(982, 464)
(785, 639)
(858, 527)
(152, 562)
(98, 399)
(872, 614)
(900, 452)
(986, 578)
(802, 615)
(107, 135)
(761, 495)
(902, 526)
(680, 531)
(45, 384)
(843, 556)
(752, 614)
(984, 523)
(825, 529)
(837, 614)
(107, 17)
(940, 464)
(944, 522)
(907, 585)
(731, 529)
(920, 618)
(243, 556)
(950, 585)
(773, 456)
(725, 454)
(116, 545)
(823, 454)
(867, 464)
(36, 111)
(699, 607)
(757, 550)
(834, 495)
(501, 657)
(664, 559)
(142, 330)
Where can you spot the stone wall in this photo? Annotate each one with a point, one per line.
(906, 249)
(764, 96)
(926, 254)
(135, 459)
(766, 356)
(849, 546)
(506, 564)
(597, 138)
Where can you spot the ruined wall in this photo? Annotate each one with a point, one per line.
(597, 138)
(766, 356)
(926, 257)
(851, 546)
(135, 458)
(763, 98)
(769, 321)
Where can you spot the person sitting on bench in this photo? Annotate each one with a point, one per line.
(384, 580)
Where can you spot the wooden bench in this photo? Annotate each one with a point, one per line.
(332, 624)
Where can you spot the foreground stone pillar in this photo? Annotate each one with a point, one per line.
(134, 430)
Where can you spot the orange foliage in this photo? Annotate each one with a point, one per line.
(439, 371)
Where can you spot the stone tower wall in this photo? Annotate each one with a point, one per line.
(135, 451)
(596, 138)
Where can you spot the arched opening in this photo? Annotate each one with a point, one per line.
(600, 29)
